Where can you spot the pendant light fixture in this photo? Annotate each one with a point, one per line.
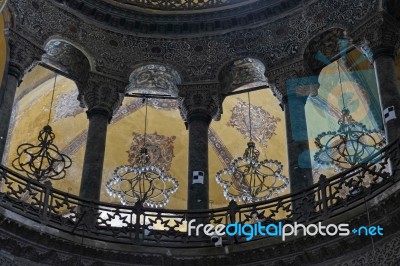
(350, 144)
(142, 182)
(249, 180)
(43, 161)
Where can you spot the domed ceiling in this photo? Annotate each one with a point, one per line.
(186, 17)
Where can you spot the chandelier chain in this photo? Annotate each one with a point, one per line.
(145, 123)
(250, 126)
(52, 98)
(341, 85)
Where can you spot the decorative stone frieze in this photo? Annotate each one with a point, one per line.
(198, 59)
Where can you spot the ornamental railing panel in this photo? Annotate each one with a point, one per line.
(138, 225)
(179, 4)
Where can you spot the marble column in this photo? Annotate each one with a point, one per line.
(295, 84)
(295, 94)
(198, 193)
(22, 56)
(102, 96)
(298, 150)
(6, 105)
(198, 107)
(385, 73)
(94, 154)
(379, 42)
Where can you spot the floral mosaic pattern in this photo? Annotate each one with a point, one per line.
(67, 105)
(263, 123)
(160, 149)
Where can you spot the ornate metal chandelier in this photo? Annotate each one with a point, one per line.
(142, 182)
(350, 144)
(249, 180)
(42, 161)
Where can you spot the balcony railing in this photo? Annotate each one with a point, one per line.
(162, 227)
(179, 5)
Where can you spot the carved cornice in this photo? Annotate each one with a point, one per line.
(23, 54)
(102, 94)
(123, 17)
(379, 35)
(200, 101)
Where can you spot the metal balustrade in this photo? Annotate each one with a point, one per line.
(163, 227)
(179, 4)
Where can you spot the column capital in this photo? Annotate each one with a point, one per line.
(378, 36)
(24, 55)
(294, 79)
(200, 101)
(101, 94)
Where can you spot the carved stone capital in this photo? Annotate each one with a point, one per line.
(154, 79)
(247, 71)
(378, 36)
(200, 101)
(293, 79)
(101, 94)
(23, 54)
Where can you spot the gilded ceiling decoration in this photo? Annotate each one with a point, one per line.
(160, 149)
(67, 105)
(263, 123)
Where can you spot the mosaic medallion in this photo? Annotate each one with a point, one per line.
(67, 105)
(160, 149)
(263, 123)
